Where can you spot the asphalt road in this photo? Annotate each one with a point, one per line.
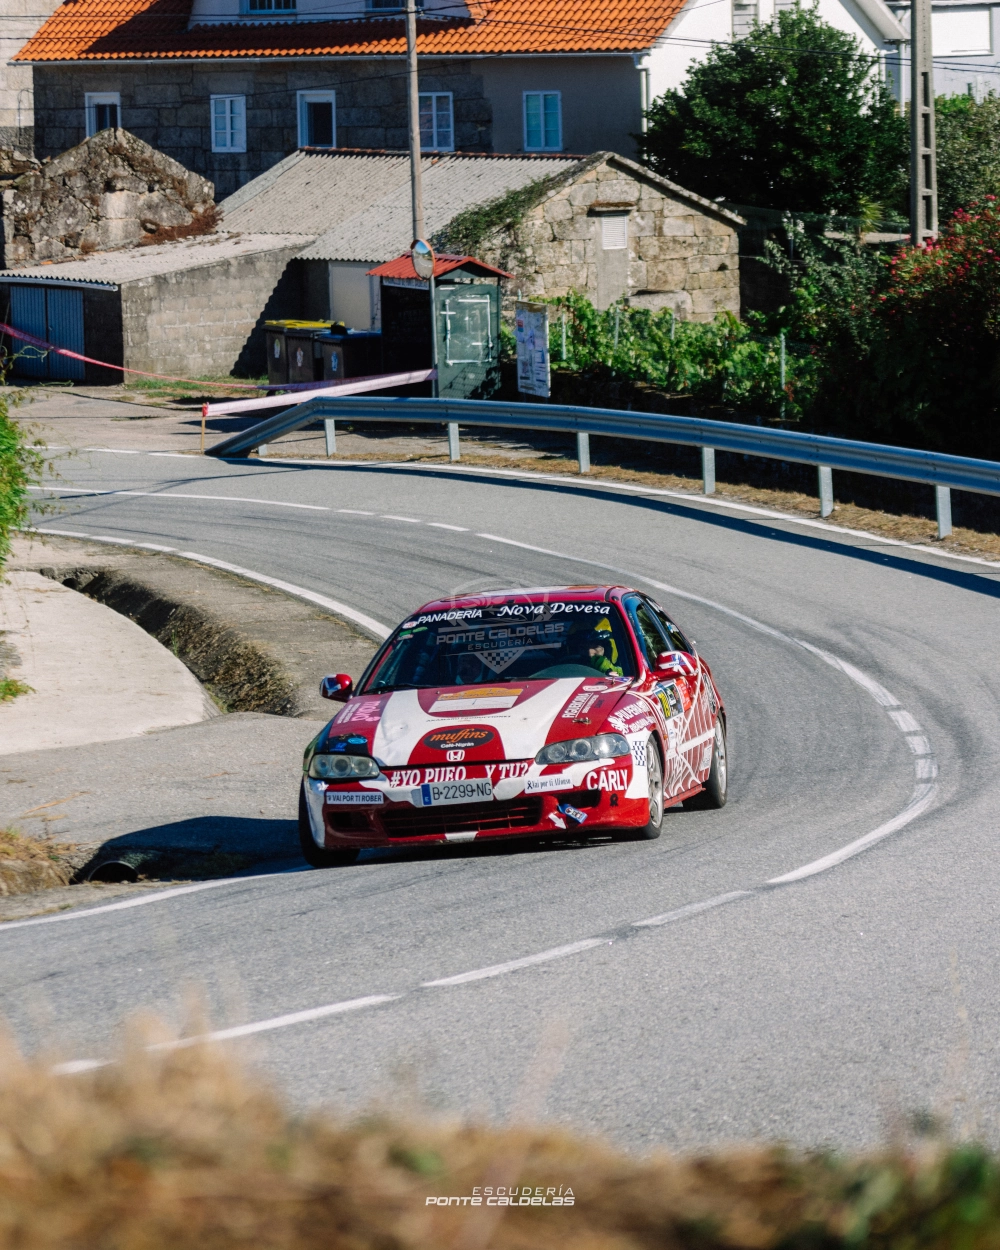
(814, 1011)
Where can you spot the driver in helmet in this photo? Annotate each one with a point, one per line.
(598, 650)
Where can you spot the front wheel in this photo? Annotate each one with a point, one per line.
(654, 771)
(714, 794)
(318, 856)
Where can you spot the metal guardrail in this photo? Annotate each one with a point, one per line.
(945, 473)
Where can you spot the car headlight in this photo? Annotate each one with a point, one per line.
(576, 750)
(342, 767)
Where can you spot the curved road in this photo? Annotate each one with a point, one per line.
(861, 681)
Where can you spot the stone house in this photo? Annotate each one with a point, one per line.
(231, 87)
(617, 231)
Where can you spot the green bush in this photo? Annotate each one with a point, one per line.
(794, 115)
(21, 464)
(968, 151)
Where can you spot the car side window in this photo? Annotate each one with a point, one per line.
(675, 638)
(648, 634)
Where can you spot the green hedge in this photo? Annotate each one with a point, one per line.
(722, 362)
(21, 464)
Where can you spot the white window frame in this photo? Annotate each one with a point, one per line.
(236, 130)
(276, 8)
(305, 98)
(543, 147)
(90, 101)
(434, 96)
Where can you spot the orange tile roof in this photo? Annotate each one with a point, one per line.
(97, 30)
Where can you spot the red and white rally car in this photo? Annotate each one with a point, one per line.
(540, 713)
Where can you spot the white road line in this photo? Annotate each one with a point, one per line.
(355, 512)
(241, 1030)
(498, 970)
(387, 516)
(278, 1022)
(341, 609)
(174, 494)
(692, 909)
(153, 897)
(921, 799)
(359, 618)
(603, 484)
(440, 525)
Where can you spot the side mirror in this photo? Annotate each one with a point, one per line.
(675, 664)
(339, 688)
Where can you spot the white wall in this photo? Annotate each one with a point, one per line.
(354, 296)
(704, 22)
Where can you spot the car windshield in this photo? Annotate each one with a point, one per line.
(507, 642)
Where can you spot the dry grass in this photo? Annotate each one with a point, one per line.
(911, 529)
(26, 864)
(181, 1150)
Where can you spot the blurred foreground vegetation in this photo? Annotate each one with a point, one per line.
(182, 1149)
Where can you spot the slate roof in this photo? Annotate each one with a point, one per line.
(134, 263)
(358, 203)
(153, 29)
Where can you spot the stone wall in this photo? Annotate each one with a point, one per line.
(167, 105)
(683, 252)
(110, 191)
(208, 320)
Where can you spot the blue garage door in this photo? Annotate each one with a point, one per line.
(56, 315)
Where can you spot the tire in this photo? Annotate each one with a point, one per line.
(654, 767)
(716, 787)
(317, 856)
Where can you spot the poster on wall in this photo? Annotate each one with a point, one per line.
(532, 331)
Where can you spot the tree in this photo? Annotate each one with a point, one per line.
(794, 115)
(968, 151)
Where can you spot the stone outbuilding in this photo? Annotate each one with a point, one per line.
(191, 308)
(110, 191)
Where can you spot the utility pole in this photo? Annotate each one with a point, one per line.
(923, 161)
(416, 181)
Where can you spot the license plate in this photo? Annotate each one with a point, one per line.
(438, 793)
(354, 798)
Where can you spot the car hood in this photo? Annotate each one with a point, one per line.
(509, 720)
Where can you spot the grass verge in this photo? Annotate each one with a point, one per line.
(184, 1149)
(27, 865)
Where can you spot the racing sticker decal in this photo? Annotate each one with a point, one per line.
(354, 798)
(498, 646)
(670, 699)
(573, 813)
(460, 738)
(606, 779)
(543, 785)
(477, 699)
(346, 744)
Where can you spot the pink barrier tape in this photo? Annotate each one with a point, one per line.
(356, 386)
(65, 351)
